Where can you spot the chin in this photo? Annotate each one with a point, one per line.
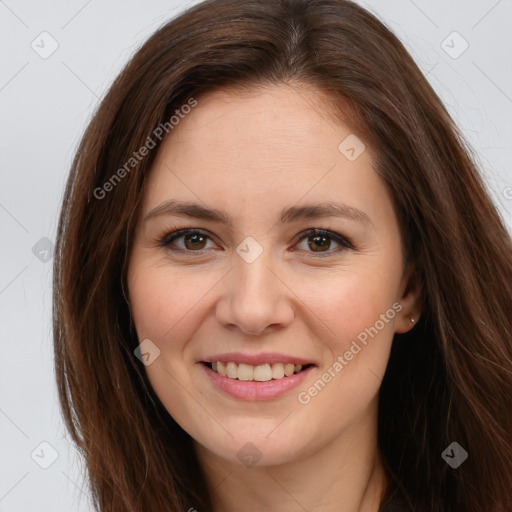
(256, 446)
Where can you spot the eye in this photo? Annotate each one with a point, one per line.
(193, 240)
(319, 241)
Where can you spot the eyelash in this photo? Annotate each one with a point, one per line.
(175, 234)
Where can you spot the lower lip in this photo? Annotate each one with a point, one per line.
(255, 391)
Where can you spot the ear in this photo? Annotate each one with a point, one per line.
(410, 300)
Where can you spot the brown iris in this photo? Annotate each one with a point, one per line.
(195, 239)
(317, 241)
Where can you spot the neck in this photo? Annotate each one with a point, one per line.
(343, 475)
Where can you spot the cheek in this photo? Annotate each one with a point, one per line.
(349, 302)
(164, 304)
(359, 308)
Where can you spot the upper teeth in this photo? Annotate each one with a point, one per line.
(260, 373)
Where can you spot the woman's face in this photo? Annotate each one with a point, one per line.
(244, 289)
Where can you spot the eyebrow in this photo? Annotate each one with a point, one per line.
(290, 214)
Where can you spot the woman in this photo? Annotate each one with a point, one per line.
(280, 283)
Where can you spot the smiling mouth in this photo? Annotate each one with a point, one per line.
(259, 373)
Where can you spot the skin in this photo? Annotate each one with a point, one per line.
(252, 154)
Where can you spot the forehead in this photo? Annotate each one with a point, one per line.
(230, 121)
(268, 146)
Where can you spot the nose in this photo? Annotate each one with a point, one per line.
(255, 298)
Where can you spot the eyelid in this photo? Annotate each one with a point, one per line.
(176, 233)
(340, 239)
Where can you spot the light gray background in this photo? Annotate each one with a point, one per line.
(45, 105)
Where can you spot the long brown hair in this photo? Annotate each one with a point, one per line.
(448, 380)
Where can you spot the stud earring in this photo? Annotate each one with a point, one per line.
(412, 319)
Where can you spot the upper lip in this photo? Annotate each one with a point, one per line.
(256, 359)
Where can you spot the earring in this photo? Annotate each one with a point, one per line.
(412, 319)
